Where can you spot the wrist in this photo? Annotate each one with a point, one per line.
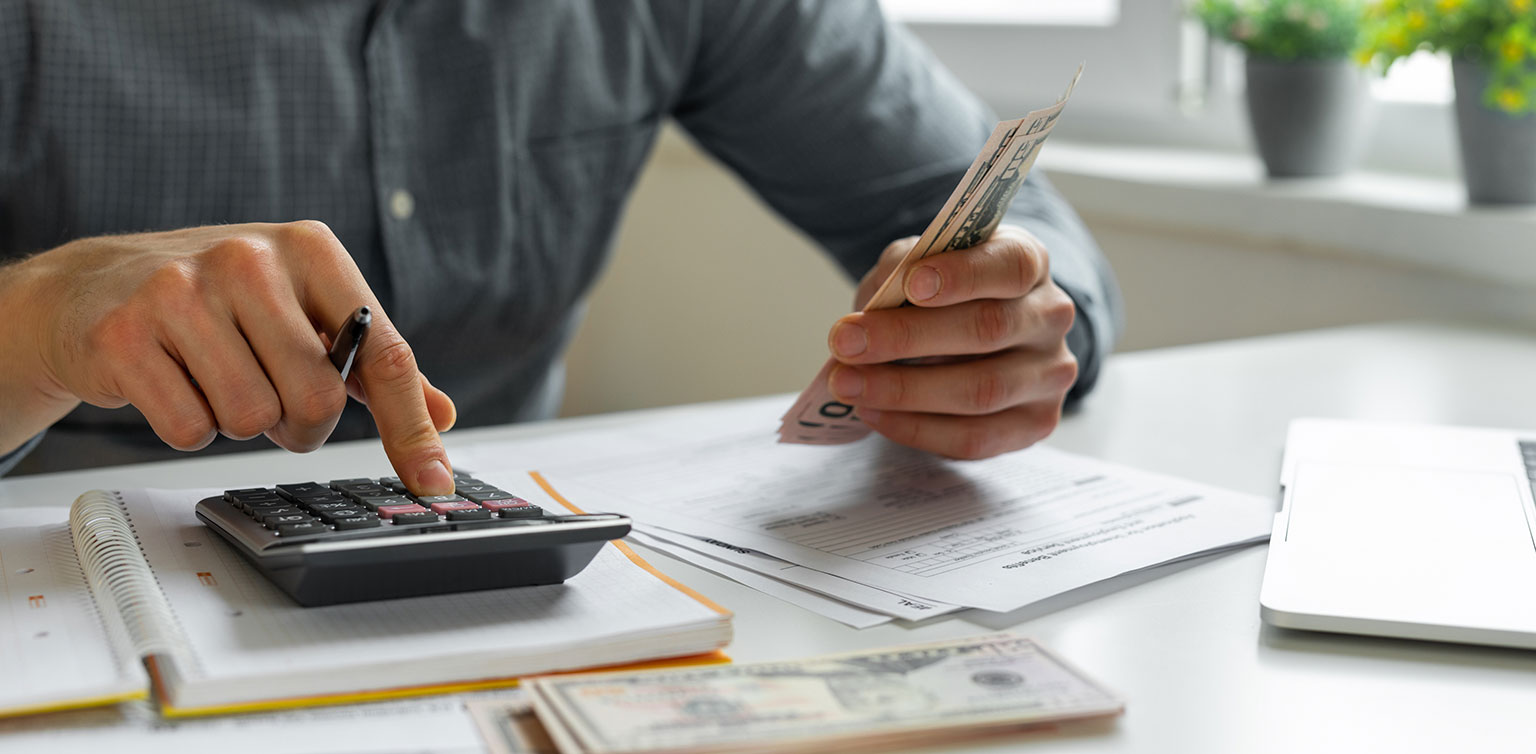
(31, 396)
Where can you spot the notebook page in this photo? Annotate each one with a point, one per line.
(250, 641)
(54, 648)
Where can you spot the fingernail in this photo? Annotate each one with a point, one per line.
(923, 284)
(849, 339)
(869, 416)
(434, 479)
(847, 383)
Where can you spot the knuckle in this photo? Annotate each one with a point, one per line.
(885, 386)
(994, 323)
(174, 283)
(119, 337)
(247, 260)
(899, 334)
(392, 362)
(187, 432)
(1059, 312)
(307, 232)
(320, 403)
(989, 392)
(973, 444)
(1061, 375)
(251, 418)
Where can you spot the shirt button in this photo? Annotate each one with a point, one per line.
(401, 204)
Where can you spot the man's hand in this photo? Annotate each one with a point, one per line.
(989, 327)
(212, 330)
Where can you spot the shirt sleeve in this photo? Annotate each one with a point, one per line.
(850, 129)
(9, 460)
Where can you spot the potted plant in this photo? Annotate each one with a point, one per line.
(1492, 44)
(1306, 97)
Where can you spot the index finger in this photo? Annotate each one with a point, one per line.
(385, 366)
(1010, 264)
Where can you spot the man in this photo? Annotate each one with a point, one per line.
(463, 165)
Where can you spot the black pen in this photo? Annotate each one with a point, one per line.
(348, 339)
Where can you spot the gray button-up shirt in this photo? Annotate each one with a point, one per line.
(474, 156)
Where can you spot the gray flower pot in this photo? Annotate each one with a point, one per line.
(1498, 150)
(1308, 116)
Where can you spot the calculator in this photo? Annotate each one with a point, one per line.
(354, 540)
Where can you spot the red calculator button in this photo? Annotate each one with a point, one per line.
(462, 505)
(389, 511)
(511, 502)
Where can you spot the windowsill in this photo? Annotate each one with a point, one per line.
(1401, 219)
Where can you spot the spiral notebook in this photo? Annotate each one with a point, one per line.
(133, 595)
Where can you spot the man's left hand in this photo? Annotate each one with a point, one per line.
(989, 327)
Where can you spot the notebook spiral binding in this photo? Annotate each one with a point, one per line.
(114, 566)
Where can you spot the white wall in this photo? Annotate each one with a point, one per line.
(711, 297)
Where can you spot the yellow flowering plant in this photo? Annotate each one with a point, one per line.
(1498, 34)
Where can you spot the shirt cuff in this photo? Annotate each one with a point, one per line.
(9, 460)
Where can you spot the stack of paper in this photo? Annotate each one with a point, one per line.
(870, 532)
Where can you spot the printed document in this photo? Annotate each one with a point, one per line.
(996, 534)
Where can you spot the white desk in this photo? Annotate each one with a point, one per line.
(1200, 673)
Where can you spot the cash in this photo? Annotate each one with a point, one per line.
(970, 215)
(918, 695)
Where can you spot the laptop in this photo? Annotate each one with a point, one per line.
(1405, 530)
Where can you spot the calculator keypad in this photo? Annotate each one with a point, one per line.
(348, 505)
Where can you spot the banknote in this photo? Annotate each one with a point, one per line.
(916, 695)
(509, 726)
(970, 215)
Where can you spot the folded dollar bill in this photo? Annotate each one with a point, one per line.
(971, 214)
(910, 696)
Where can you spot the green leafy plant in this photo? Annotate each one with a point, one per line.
(1498, 34)
(1285, 29)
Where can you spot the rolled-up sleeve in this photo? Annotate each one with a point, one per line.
(847, 126)
(9, 460)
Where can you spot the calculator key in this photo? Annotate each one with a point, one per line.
(424, 517)
(331, 505)
(435, 499)
(319, 497)
(464, 489)
(469, 514)
(265, 512)
(489, 495)
(295, 489)
(247, 505)
(331, 516)
(357, 522)
(461, 474)
(524, 511)
(273, 522)
(337, 484)
(511, 501)
(364, 490)
(458, 505)
(388, 481)
(390, 511)
(375, 503)
(306, 527)
(250, 494)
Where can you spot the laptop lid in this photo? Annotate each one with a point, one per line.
(1404, 530)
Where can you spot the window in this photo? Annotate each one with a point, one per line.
(1152, 76)
(1041, 12)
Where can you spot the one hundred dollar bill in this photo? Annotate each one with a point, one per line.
(917, 695)
(970, 215)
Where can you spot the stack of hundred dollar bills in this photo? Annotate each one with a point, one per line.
(920, 695)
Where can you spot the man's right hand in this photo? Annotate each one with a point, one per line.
(212, 330)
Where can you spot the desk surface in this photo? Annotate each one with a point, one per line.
(1185, 647)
